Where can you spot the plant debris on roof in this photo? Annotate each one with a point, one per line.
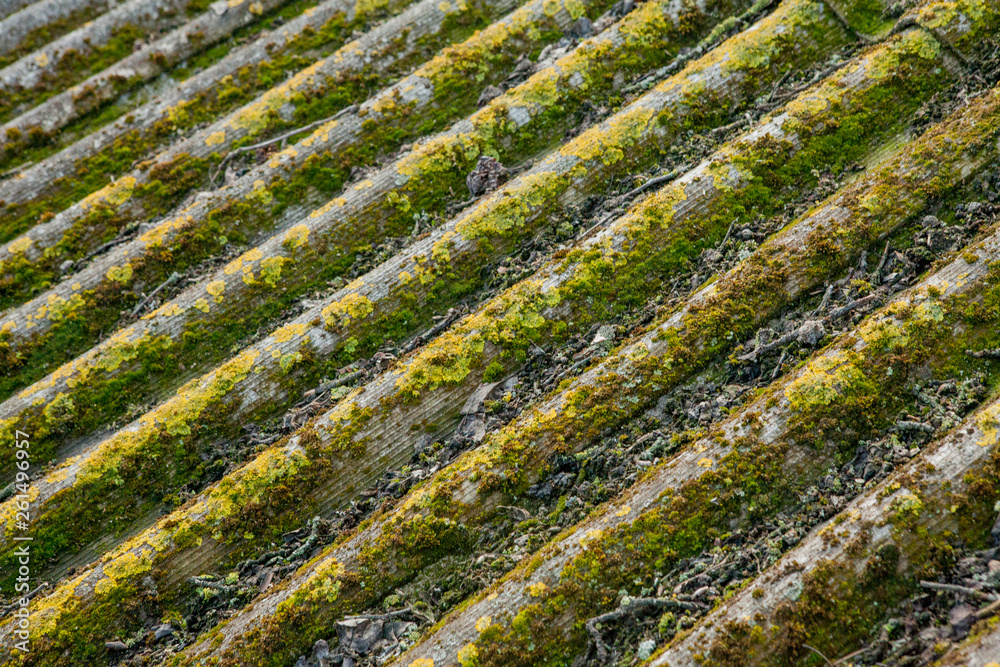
(500, 332)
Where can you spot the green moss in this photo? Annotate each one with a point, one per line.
(840, 600)
(72, 67)
(753, 482)
(840, 603)
(326, 169)
(581, 400)
(229, 92)
(49, 32)
(867, 16)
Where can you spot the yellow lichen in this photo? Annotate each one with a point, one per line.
(537, 589)
(243, 262)
(352, 307)
(270, 269)
(119, 348)
(325, 208)
(279, 157)
(296, 237)
(126, 566)
(622, 130)
(987, 421)
(468, 656)
(288, 332)
(216, 138)
(321, 135)
(169, 309)
(509, 209)
(52, 607)
(20, 245)
(329, 586)
(440, 251)
(820, 382)
(120, 274)
(115, 194)
(60, 308)
(158, 234)
(216, 288)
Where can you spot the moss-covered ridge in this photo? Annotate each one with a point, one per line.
(500, 333)
(852, 571)
(108, 142)
(248, 271)
(944, 20)
(316, 92)
(576, 416)
(46, 23)
(93, 47)
(757, 463)
(409, 383)
(33, 152)
(131, 72)
(304, 249)
(199, 231)
(103, 373)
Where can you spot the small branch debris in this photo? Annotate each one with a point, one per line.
(634, 607)
(984, 354)
(278, 139)
(819, 653)
(658, 180)
(964, 590)
(174, 277)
